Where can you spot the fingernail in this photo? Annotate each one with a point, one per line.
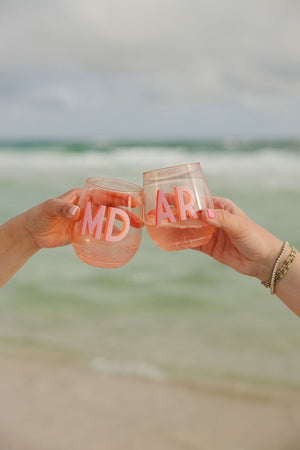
(211, 214)
(73, 210)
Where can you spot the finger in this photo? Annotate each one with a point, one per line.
(71, 195)
(171, 198)
(228, 205)
(232, 224)
(58, 207)
(135, 221)
(112, 198)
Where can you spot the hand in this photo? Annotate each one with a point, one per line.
(49, 224)
(239, 242)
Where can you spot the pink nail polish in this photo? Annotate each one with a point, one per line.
(211, 214)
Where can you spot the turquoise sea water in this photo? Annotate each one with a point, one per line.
(177, 315)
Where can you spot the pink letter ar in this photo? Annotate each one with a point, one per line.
(185, 208)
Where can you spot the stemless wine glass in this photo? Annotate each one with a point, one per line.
(173, 199)
(109, 229)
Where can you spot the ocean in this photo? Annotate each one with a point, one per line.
(170, 316)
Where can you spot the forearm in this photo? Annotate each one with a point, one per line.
(16, 247)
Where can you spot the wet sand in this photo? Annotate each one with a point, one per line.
(48, 405)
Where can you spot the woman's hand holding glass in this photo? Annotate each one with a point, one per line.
(173, 200)
(238, 241)
(109, 229)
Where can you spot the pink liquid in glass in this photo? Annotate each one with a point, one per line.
(105, 254)
(178, 235)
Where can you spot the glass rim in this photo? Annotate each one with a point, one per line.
(166, 169)
(135, 188)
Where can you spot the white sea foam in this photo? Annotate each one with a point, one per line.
(269, 167)
(119, 157)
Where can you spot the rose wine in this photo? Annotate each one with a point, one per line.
(105, 254)
(178, 235)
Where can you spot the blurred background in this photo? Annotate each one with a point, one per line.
(174, 350)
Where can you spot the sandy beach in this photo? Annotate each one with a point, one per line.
(61, 406)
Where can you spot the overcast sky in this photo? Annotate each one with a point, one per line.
(149, 68)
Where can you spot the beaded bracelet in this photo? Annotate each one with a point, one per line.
(287, 264)
(271, 283)
(276, 276)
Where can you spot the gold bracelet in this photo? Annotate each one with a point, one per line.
(287, 264)
(276, 276)
(271, 283)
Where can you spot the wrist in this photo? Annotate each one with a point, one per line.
(26, 233)
(266, 265)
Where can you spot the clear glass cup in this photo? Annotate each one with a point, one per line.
(109, 229)
(173, 200)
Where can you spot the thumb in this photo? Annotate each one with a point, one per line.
(220, 218)
(58, 207)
